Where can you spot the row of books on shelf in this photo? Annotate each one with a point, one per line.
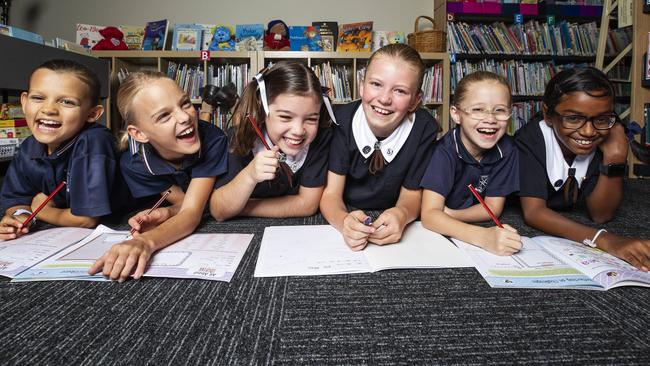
(319, 36)
(531, 38)
(591, 8)
(13, 129)
(337, 79)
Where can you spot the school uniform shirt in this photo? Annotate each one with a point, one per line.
(311, 171)
(407, 159)
(452, 168)
(543, 170)
(87, 162)
(148, 174)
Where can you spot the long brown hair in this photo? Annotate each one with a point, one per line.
(125, 94)
(289, 77)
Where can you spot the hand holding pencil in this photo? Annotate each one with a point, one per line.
(500, 239)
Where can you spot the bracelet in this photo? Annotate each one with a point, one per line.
(592, 242)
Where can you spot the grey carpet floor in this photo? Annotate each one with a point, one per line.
(437, 316)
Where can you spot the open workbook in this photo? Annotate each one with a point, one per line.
(550, 262)
(320, 250)
(68, 253)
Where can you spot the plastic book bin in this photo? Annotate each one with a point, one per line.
(491, 8)
(528, 9)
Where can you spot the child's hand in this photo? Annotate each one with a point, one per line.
(390, 226)
(142, 222)
(11, 227)
(122, 259)
(632, 250)
(39, 199)
(265, 165)
(502, 241)
(615, 146)
(355, 232)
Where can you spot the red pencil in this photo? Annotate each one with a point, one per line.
(485, 206)
(155, 206)
(31, 217)
(259, 133)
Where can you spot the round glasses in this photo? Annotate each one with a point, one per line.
(576, 121)
(500, 113)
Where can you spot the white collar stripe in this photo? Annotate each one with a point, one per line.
(366, 140)
(557, 168)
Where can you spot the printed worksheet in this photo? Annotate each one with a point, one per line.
(200, 256)
(320, 250)
(20, 254)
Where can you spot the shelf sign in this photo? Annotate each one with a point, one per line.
(519, 18)
(550, 19)
(205, 55)
(452, 58)
(451, 17)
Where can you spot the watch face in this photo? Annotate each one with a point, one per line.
(616, 170)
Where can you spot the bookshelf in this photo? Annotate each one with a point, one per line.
(639, 94)
(256, 60)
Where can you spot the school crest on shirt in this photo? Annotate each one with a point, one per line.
(482, 183)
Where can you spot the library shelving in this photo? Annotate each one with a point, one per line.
(348, 67)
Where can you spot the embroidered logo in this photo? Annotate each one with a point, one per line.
(482, 183)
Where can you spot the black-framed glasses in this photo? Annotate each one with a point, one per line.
(500, 113)
(576, 121)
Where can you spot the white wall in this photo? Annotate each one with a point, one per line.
(57, 18)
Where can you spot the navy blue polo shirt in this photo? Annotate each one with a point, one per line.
(87, 162)
(148, 174)
(533, 177)
(452, 168)
(381, 191)
(313, 172)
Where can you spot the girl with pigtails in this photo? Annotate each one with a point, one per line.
(284, 175)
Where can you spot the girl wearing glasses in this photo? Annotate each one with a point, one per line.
(576, 157)
(476, 152)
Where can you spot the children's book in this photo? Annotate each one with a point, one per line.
(69, 46)
(383, 38)
(249, 37)
(133, 36)
(88, 35)
(155, 34)
(206, 35)
(68, 253)
(355, 37)
(329, 32)
(187, 37)
(21, 33)
(550, 262)
(223, 39)
(315, 250)
(304, 38)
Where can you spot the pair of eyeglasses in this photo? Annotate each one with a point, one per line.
(576, 121)
(500, 113)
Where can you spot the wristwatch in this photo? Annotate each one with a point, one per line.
(613, 170)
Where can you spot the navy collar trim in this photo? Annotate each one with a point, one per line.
(491, 156)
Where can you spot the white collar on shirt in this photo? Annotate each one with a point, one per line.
(557, 168)
(294, 162)
(366, 140)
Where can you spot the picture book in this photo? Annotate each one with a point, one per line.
(304, 38)
(249, 37)
(206, 35)
(383, 38)
(70, 46)
(68, 253)
(550, 262)
(22, 34)
(88, 35)
(187, 37)
(315, 250)
(223, 39)
(155, 34)
(133, 36)
(329, 32)
(355, 37)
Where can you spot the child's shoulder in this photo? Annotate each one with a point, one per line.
(209, 129)
(345, 113)
(95, 138)
(529, 132)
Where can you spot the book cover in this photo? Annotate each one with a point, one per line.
(305, 38)
(206, 35)
(329, 33)
(88, 34)
(70, 46)
(355, 37)
(155, 34)
(187, 37)
(133, 36)
(22, 34)
(223, 39)
(383, 38)
(249, 37)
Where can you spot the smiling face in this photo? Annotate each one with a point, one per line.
(585, 139)
(480, 135)
(57, 106)
(165, 118)
(293, 120)
(389, 91)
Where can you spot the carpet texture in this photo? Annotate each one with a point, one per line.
(438, 316)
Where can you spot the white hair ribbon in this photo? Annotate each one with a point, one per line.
(262, 85)
(328, 105)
